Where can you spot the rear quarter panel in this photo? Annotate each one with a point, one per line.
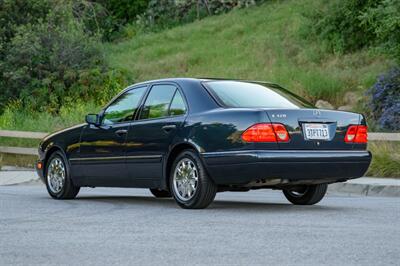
(221, 129)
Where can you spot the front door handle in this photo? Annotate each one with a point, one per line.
(121, 132)
(168, 128)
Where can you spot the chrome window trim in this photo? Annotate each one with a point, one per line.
(117, 157)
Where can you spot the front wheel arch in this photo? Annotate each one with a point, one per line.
(52, 150)
(68, 190)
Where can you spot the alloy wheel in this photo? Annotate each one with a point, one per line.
(56, 175)
(185, 179)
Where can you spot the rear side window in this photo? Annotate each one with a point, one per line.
(157, 102)
(178, 106)
(252, 95)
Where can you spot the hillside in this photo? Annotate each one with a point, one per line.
(261, 43)
(268, 42)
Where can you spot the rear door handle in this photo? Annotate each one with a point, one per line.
(168, 128)
(121, 132)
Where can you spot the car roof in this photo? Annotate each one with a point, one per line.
(205, 79)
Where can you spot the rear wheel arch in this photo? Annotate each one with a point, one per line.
(175, 151)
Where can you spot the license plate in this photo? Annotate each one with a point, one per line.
(316, 131)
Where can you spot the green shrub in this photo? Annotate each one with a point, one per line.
(46, 59)
(346, 26)
(168, 13)
(125, 11)
(338, 24)
(384, 21)
(14, 13)
(56, 60)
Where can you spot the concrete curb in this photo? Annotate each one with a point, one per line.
(15, 177)
(368, 186)
(365, 186)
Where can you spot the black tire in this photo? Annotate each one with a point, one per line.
(68, 190)
(158, 193)
(205, 191)
(306, 195)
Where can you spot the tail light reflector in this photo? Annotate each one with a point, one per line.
(281, 133)
(356, 134)
(266, 132)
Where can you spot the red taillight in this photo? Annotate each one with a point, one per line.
(266, 132)
(356, 134)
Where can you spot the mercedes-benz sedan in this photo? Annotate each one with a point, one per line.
(191, 138)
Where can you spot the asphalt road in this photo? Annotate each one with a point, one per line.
(129, 226)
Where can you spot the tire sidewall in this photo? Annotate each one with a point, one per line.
(202, 178)
(314, 194)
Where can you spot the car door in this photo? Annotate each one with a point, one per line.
(102, 148)
(150, 136)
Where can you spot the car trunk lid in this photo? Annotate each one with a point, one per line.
(314, 128)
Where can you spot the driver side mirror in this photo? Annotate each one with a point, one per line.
(93, 119)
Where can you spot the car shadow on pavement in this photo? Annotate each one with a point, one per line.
(268, 206)
(140, 201)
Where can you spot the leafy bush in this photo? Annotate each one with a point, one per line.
(168, 13)
(14, 13)
(125, 11)
(345, 26)
(338, 24)
(45, 60)
(109, 17)
(55, 60)
(384, 22)
(385, 100)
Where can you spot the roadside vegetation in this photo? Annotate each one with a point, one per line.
(386, 159)
(60, 60)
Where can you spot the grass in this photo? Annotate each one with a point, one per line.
(267, 42)
(385, 160)
(18, 142)
(17, 160)
(260, 43)
(16, 118)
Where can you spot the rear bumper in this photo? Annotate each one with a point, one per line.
(242, 167)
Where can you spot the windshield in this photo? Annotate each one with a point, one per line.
(252, 95)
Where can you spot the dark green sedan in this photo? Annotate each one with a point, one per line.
(190, 138)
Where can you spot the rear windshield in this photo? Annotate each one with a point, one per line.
(253, 95)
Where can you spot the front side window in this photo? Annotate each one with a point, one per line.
(124, 107)
(158, 102)
(252, 95)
